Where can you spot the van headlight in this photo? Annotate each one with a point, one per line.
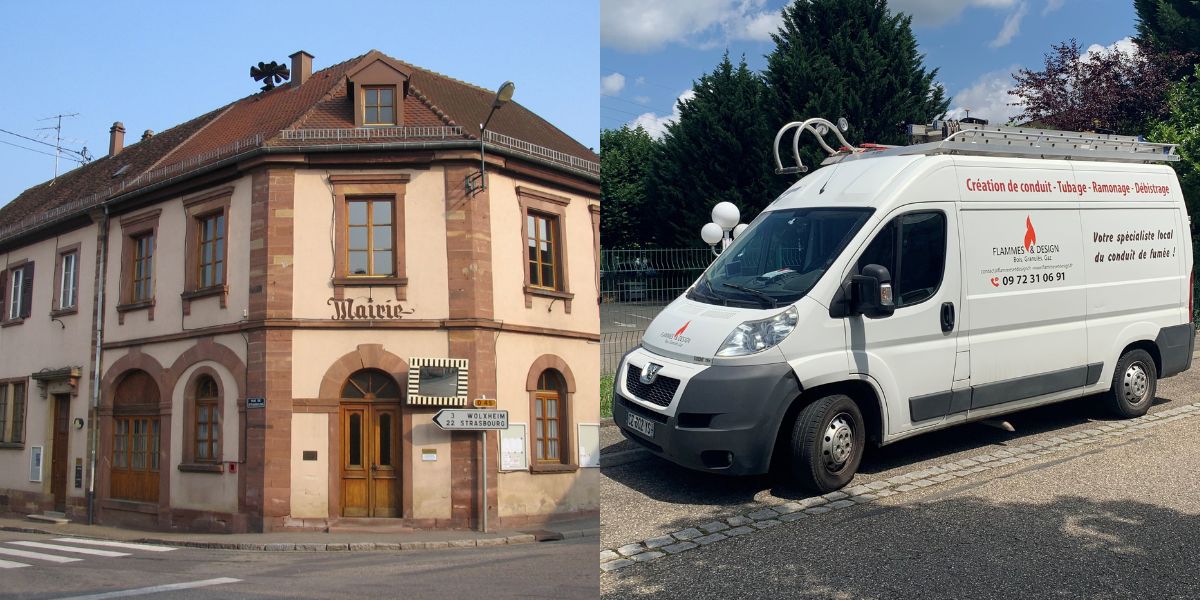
(756, 336)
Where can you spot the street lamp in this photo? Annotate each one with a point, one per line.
(503, 95)
(724, 228)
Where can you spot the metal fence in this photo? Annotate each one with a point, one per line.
(655, 276)
(634, 286)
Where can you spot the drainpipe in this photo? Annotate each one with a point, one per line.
(98, 319)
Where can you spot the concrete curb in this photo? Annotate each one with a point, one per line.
(521, 538)
(766, 515)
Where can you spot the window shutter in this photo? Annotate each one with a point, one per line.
(3, 291)
(27, 291)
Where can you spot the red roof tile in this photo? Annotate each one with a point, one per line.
(434, 101)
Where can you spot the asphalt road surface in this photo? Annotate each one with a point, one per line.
(628, 316)
(58, 567)
(1115, 517)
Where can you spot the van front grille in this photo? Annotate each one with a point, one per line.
(660, 393)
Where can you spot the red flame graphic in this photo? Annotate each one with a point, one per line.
(1030, 235)
(682, 329)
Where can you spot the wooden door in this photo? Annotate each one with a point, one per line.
(58, 460)
(135, 458)
(370, 460)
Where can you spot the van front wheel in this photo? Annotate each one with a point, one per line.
(1133, 385)
(827, 443)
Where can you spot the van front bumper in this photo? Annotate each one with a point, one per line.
(722, 419)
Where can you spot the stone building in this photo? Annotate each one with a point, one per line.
(329, 250)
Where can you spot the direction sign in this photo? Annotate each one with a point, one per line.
(485, 403)
(466, 419)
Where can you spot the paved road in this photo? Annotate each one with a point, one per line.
(564, 569)
(628, 316)
(1087, 507)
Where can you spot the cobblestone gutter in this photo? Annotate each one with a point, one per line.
(774, 515)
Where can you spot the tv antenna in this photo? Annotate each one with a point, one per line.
(58, 140)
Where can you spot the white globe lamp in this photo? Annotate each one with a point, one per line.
(711, 233)
(739, 229)
(726, 215)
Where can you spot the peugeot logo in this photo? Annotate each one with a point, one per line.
(650, 373)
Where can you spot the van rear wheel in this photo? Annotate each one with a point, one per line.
(827, 443)
(1134, 384)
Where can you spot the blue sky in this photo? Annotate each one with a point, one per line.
(153, 65)
(652, 50)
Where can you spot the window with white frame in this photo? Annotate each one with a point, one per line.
(68, 282)
(16, 292)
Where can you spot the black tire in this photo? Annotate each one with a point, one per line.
(1134, 384)
(815, 434)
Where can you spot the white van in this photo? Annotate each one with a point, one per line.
(904, 290)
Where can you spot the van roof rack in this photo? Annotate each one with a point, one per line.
(1025, 142)
(956, 137)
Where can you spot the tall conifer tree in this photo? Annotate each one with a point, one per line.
(718, 150)
(625, 156)
(853, 59)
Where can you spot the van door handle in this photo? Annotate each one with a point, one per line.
(947, 316)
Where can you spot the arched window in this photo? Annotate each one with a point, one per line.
(550, 423)
(135, 457)
(370, 384)
(208, 422)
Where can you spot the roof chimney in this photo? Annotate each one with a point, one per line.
(301, 67)
(116, 139)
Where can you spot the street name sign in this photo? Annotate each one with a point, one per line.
(465, 419)
(254, 402)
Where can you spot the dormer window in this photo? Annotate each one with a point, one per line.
(377, 87)
(379, 105)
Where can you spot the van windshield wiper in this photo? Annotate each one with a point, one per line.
(771, 303)
(711, 294)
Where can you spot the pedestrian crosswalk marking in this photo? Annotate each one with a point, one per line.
(60, 548)
(38, 555)
(66, 546)
(115, 544)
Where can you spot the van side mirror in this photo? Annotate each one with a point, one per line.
(871, 292)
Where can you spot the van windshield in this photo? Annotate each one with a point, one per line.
(780, 257)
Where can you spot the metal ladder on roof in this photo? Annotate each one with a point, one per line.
(992, 140)
(983, 140)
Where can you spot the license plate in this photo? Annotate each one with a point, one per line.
(640, 424)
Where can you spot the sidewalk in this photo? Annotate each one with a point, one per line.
(1114, 514)
(306, 541)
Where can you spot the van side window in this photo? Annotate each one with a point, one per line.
(919, 240)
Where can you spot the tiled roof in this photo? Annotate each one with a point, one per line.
(468, 105)
(264, 113)
(442, 107)
(98, 176)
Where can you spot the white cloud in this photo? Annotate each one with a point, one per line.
(641, 80)
(1011, 27)
(934, 13)
(612, 84)
(987, 98)
(646, 25)
(655, 125)
(1051, 6)
(642, 99)
(1124, 45)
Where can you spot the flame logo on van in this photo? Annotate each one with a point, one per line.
(1030, 234)
(678, 339)
(682, 329)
